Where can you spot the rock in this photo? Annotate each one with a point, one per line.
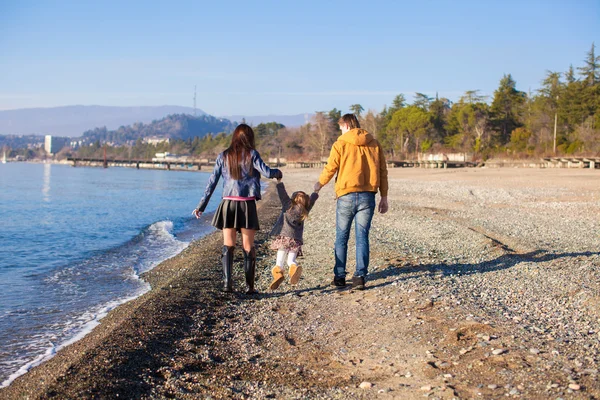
(497, 352)
(534, 351)
(574, 386)
(426, 388)
(492, 386)
(365, 385)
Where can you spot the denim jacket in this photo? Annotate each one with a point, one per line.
(247, 186)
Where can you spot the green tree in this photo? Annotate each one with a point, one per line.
(356, 109)
(334, 117)
(410, 123)
(507, 107)
(590, 72)
(474, 122)
(520, 140)
(472, 97)
(439, 110)
(386, 136)
(422, 101)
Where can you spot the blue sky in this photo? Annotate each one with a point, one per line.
(281, 57)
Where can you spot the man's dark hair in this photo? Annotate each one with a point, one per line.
(350, 120)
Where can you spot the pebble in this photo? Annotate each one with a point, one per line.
(460, 276)
(574, 386)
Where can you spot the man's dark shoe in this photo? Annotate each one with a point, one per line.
(339, 282)
(358, 283)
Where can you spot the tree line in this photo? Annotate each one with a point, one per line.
(561, 118)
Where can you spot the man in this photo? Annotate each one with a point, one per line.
(361, 170)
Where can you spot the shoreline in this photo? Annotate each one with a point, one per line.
(482, 283)
(83, 321)
(166, 280)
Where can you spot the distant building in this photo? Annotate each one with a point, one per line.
(53, 144)
(156, 140)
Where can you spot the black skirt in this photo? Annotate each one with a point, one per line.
(236, 214)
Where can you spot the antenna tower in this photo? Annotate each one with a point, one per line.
(194, 100)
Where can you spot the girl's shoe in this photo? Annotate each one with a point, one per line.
(277, 273)
(295, 273)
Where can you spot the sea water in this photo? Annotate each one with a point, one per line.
(73, 243)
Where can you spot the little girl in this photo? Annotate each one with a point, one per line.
(289, 229)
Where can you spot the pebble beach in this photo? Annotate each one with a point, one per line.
(484, 283)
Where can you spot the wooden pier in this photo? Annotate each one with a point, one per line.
(572, 162)
(184, 165)
(430, 164)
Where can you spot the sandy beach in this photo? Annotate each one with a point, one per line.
(483, 284)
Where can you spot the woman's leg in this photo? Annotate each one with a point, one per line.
(229, 237)
(227, 258)
(247, 238)
(249, 258)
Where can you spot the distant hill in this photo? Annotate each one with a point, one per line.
(74, 120)
(287, 120)
(175, 126)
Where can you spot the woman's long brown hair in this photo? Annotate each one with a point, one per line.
(238, 152)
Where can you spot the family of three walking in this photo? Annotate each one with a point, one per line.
(359, 162)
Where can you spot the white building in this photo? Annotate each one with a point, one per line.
(156, 140)
(53, 144)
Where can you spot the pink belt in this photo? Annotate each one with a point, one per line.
(237, 198)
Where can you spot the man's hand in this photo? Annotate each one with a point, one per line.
(317, 187)
(197, 213)
(383, 205)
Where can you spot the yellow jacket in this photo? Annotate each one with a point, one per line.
(359, 162)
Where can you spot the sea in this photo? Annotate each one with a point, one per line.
(73, 243)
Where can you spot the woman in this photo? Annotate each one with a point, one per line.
(241, 167)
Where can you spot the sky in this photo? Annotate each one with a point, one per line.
(281, 57)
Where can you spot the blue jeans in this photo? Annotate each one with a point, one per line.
(358, 207)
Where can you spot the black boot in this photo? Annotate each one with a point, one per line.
(250, 270)
(227, 268)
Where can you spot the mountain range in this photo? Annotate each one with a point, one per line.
(72, 121)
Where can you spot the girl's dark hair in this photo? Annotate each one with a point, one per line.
(303, 200)
(350, 120)
(238, 153)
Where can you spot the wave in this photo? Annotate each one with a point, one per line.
(116, 272)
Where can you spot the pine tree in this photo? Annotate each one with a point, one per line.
(590, 72)
(507, 107)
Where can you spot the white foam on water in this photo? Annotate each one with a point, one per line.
(161, 244)
(86, 328)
